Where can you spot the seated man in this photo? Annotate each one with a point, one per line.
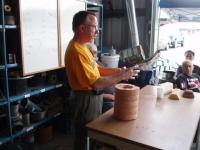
(108, 93)
(189, 55)
(187, 79)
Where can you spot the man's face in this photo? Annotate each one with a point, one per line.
(91, 27)
(187, 68)
(94, 52)
(189, 56)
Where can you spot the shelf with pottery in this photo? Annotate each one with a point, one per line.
(9, 66)
(35, 125)
(30, 92)
(3, 102)
(8, 27)
(4, 130)
(10, 32)
(4, 140)
(25, 130)
(36, 118)
(11, 124)
(37, 91)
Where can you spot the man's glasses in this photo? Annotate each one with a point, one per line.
(94, 26)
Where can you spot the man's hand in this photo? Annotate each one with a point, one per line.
(121, 74)
(129, 73)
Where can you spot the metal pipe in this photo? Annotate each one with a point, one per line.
(88, 143)
(154, 26)
(5, 71)
(130, 7)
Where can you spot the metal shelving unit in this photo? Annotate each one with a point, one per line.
(34, 92)
(3, 102)
(7, 99)
(8, 66)
(4, 140)
(8, 27)
(5, 72)
(10, 135)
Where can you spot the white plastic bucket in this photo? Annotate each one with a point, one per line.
(110, 61)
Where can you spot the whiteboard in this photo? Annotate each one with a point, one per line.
(39, 35)
(67, 11)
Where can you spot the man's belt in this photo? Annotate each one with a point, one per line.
(92, 92)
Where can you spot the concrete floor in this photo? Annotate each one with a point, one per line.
(60, 141)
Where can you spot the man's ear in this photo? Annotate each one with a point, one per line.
(81, 28)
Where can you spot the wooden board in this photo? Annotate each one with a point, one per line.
(39, 35)
(67, 10)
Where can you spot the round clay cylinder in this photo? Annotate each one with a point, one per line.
(126, 101)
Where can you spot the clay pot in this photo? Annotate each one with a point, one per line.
(44, 135)
(17, 126)
(126, 101)
(18, 85)
(37, 81)
(10, 20)
(15, 108)
(26, 117)
(29, 138)
(39, 115)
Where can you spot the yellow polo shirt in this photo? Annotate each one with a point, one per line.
(82, 70)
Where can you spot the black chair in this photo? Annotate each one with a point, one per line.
(143, 78)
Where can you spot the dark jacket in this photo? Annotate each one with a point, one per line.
(188, 82)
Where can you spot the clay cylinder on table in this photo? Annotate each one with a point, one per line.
(126, 101)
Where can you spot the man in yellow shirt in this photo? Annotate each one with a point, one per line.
(85, 77)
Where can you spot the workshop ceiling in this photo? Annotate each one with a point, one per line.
(182, 10)
(180, 3)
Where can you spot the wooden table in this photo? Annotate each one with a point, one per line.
(161, 124)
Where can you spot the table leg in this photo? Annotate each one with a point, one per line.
(88, 143)
(198, 137)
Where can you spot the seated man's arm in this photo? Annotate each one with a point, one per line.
(108, 97)
(181, 83)
(198, 70)
(179, 71)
